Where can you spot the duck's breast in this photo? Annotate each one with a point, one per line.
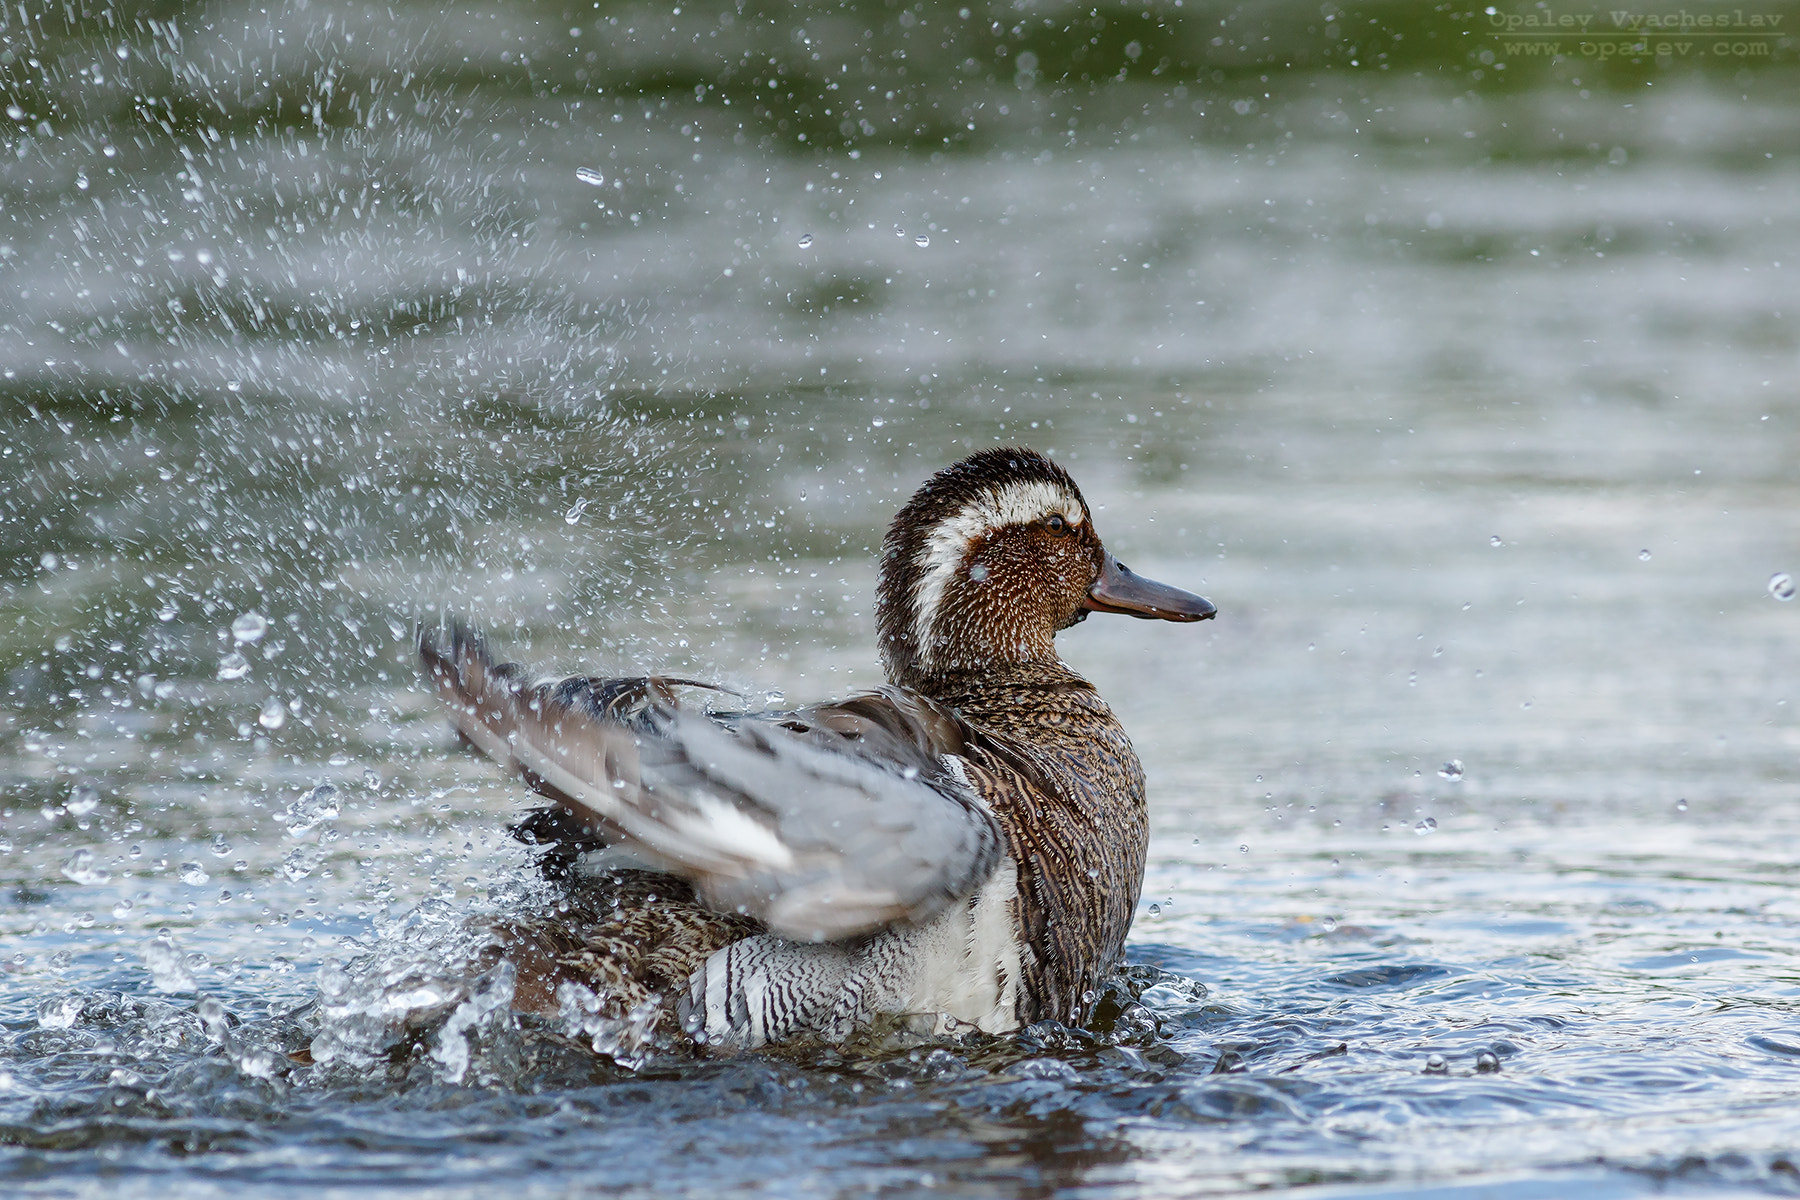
(967, 963)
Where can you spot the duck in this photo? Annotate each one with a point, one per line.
(960, 848)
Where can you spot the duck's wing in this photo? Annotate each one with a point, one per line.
(825, 824)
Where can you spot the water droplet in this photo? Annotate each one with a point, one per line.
(168, 966)
(301, 862)
(1329, 924)
(1435, 1065)
(60, 1013)
(1155, 910)
(233, 666)
(212, 1016)
(1452, 769)
(805, 240)
(1495, 541)
(259, 1063)
(1781, 586)
(83, 800)
(590, 176)
(220, 847)
(82, 869)
(1428, 825)
(1681, 806)
(1643, 556)
(320, 804)
(575, 511)
(273, 714)
(922, 241)
(1244, 849)
(250, 627)
(1487, 1063)
(193, 874)
(774, 696)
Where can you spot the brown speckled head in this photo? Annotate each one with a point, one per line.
(984, 564)
(989, 559)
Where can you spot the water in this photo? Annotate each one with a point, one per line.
(1474, 824)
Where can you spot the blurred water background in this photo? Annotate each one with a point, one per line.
(1459, 372)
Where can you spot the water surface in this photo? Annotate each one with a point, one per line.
(1468, 397)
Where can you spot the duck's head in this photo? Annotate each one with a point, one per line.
(989, 559)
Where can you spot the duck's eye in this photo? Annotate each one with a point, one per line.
(1056, 523)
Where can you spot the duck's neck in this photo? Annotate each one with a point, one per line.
(993, 687)
(981, 634)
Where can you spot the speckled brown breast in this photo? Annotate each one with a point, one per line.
(1068, 789)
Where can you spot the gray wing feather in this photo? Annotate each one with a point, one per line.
(825, 824)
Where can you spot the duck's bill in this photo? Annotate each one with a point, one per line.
(1119, 591)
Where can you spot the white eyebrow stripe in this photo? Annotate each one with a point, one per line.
(947, 543)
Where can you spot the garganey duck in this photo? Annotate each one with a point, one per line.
(964, 845)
